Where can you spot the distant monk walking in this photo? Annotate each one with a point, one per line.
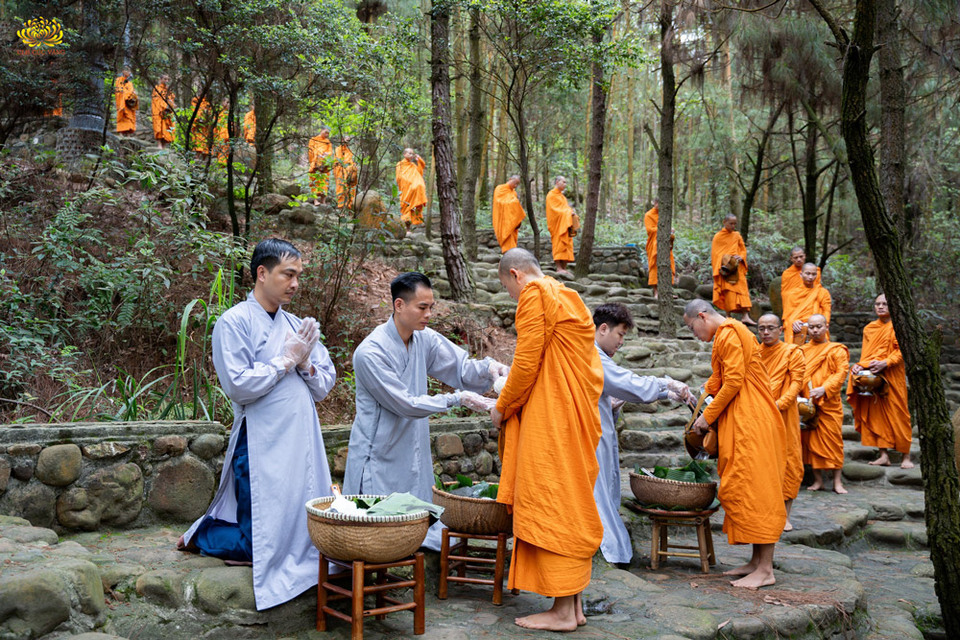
(560, 223)
(319, 152)
(250, 126)
(728, 261)
(412, 188)
(812, 298)
(161, 111)
(345, 174)
(508, 214)
(127, 103)
(650, 220)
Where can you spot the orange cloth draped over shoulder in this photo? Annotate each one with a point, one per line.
(827, 364)
(508, 213)
(250, 127)
(161, 110)
(318, 152)
(650, 220)
(729, 297)
(202, 126)
(345, 176)
(126, 115)
(785, 366)
(221, 136)
(791, 284)
(549, 439)
(559, 221)
(803, 304)
(883, 420)
(750, 438)
(413, 190)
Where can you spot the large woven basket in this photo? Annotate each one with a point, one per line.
(671, 494)
(369, 538)
(478, 516)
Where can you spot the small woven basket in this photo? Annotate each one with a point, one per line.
(352, 537)
(671, 494)
(478, 516)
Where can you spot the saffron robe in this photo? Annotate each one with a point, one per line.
(126, 116)
(785, 366)
(389, 446)
(202, 126)
(791, 282)
(161, 109)
(413, 190)
(883, 420)
(621, 384)
(549, 441)
(507, 216)
(650, 220)
(726, 296)
(750, 456)
(803, 304)
(250, 127)
(343, 168)
(827, 364)
(559, 221)
(288, 461)
(318, 152)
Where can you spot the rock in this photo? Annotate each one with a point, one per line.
(23, 470)
(451, 467)
(84, 577)
(883, 533)
(906, 477)
(30, 535)
(103, 450)
(171, 445)
(484, 463)
(702, 370)
(448, 445)
(466, 466)
(851, 520)
(24, 449)
(860, 472)
(206, 445)
(74, 512)
(635, 440)
(4, 473)
(162, 586)
(113, 574)
(59, 464)
(225, 588)
(182, 489)
(340, 462)
(688, 283)
(887, 512)
(679, 374)
(96, 636)
(704, 291)
(472, 444)
(34, 501)
(291, 190)
(118, 493)
(33, 604)
(270, 204)
(302, 215)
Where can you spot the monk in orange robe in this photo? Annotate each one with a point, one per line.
(250, 126)
(550, 420)
(161, 110)
(732, 297)
(127, 103)
(202, 127)
(812, 299)
(791, 282)
(785, 366)
(827, 364)
(221, 135)
(345, 174)
(412, 188)
(508, 213)
(882, 419)
(319, 152)
(749, 435)
(650, 220)
(560, 223)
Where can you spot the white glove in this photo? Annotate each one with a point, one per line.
(678, 392)
(498, 370)
(296, 347)
(476, 402)
(616, 404)
(310, 332)
(499, 384)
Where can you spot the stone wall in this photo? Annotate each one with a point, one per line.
(621, 260)
(109, 474)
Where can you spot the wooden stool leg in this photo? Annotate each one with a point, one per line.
(702, 546)
(356, 609)
(464, 551)
(710, 553)
(444, 564)
(381, 578)
(419, 614)
(498, 568)
(323, 576)
(654, 546)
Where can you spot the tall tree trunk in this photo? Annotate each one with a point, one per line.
(475, 143)
(460, 286)
(668, 106)
(892, 106)
(810, 191)
(89, 110)
(266, 111)
(920, 348)
(431, 183)
(598, 110)
(523, 152)
(461, 101)
(631, 132)
(751, 192)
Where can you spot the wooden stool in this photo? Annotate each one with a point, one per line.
(659, 546)
(484, 560)
(383, 581)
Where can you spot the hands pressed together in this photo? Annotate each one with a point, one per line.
(298, 346)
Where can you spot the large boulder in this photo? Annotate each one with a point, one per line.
(33, 501)
(33, 604)
(112, 496)
(372, 214)
(182, 489)
(59, 465)
(270, 204)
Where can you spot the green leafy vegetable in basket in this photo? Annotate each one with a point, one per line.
(365, 504)
(464, 486)
(692, 472)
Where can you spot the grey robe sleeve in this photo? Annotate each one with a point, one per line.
(324, 374)
(626, 385)
(242, 377)
(374, 371)
(453, 366)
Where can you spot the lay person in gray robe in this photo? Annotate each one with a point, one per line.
(390, 441)
(273, 368)
(612, 322)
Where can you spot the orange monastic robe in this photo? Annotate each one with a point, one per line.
(318, 152)
(221, 135)
(650, 220)
(791, 284)
(161, 110)
(250, 127)
(559, 221)
(785, 366)
(803, 304)
(749, 431)
(827, 366)
(729, 297)
(413, 190)
(345, 176)
(126, 116)
(548, 452)
(883, 420)
(508, 214)
(202, 126)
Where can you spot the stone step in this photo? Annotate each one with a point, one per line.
(635, 441)
(902, 534)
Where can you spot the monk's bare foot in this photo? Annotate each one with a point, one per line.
(882, 461)
(745, 570)
(757, 579)
(578, 607)
(548, 621)
(238, 563)
(748, 320)
(181, 544)
(838, 488)
(816, 486)
(788, 526)
(907, 463)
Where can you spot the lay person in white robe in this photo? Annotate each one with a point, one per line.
(612, 322)
(389, 446)
(273, 368)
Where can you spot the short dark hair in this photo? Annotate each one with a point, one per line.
(404, 286)
(612, 314)
(270, 253)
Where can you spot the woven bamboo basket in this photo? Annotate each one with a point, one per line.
(478, 516)
(671, 494)
(351, 537)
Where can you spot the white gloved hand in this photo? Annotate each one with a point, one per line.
(498, 370)
(476, 402)
(295, 348)
(678, 392)
(499, 384)
(616, 404)
(309, 332)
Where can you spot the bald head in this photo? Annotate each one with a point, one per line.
(730, 222)
(520, 260)
(702, 319)
(513, 181)
(817, 327)
(695, 307)
(798, 256)
(808, 273)
(769, 329)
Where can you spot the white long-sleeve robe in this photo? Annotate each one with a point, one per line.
(625, 385)
(288, 462)
(390, 440)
